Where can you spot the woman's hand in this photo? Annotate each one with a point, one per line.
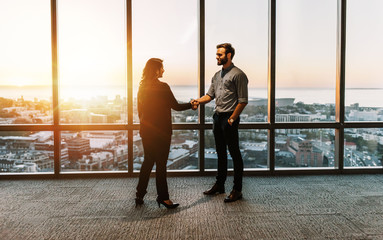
(194, 104)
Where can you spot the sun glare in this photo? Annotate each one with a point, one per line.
(21, 82)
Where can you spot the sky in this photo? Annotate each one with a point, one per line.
(92, 41)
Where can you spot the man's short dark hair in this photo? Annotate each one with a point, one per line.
(228, 48)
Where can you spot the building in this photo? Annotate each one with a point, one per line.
(26, 162)
(96, 161)
(356, 115)
(98, 118)
(306, 154)
(75, 116)
(17, 143)
(48, 148)
(296, 117)
(255, 154)
(77, 147)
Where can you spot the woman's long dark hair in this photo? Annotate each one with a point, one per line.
(149, 73)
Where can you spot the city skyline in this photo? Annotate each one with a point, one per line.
(92, 43)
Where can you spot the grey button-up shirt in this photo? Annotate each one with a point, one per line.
(228, 88)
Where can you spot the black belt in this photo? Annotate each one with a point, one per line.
(223, 114)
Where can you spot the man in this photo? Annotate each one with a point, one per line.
(229, 89)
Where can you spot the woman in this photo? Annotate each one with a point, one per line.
(154, 103)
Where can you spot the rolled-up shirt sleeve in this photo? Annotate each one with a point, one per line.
(242, 89)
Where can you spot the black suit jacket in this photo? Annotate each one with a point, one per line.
(154, 103)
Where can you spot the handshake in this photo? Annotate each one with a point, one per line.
(194, 104)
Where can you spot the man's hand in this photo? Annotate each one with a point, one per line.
(194, 104)
(231, 121)
(237, 111)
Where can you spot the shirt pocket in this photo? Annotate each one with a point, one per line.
(229, 85)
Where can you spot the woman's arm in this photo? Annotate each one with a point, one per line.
(182, 106)
(174, 103)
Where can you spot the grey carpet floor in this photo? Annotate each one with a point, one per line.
(294, 207)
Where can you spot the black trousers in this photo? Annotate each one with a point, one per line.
(156, 150)
(227, 136)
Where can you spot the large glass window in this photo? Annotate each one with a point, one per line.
(243, 24)
(92, 61)
(183, 153)
(94, 47)
(25, 62)
(305, 60)
(26, 152)
(253, 145)
(94, 151)
(363, 147)
(304, 148)
(364, 74)
(168, 30)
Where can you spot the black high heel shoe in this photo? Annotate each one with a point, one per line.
(168, 206)
(139, 201)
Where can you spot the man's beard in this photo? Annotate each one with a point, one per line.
(223, 61)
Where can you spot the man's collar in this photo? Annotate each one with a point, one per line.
(228, 68)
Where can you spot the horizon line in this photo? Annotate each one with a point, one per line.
(183, 85)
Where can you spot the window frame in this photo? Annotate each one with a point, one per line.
(339, 125)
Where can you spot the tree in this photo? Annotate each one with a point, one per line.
(372, 145)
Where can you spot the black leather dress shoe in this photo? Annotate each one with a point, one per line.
(234, 196)
(215, 189)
